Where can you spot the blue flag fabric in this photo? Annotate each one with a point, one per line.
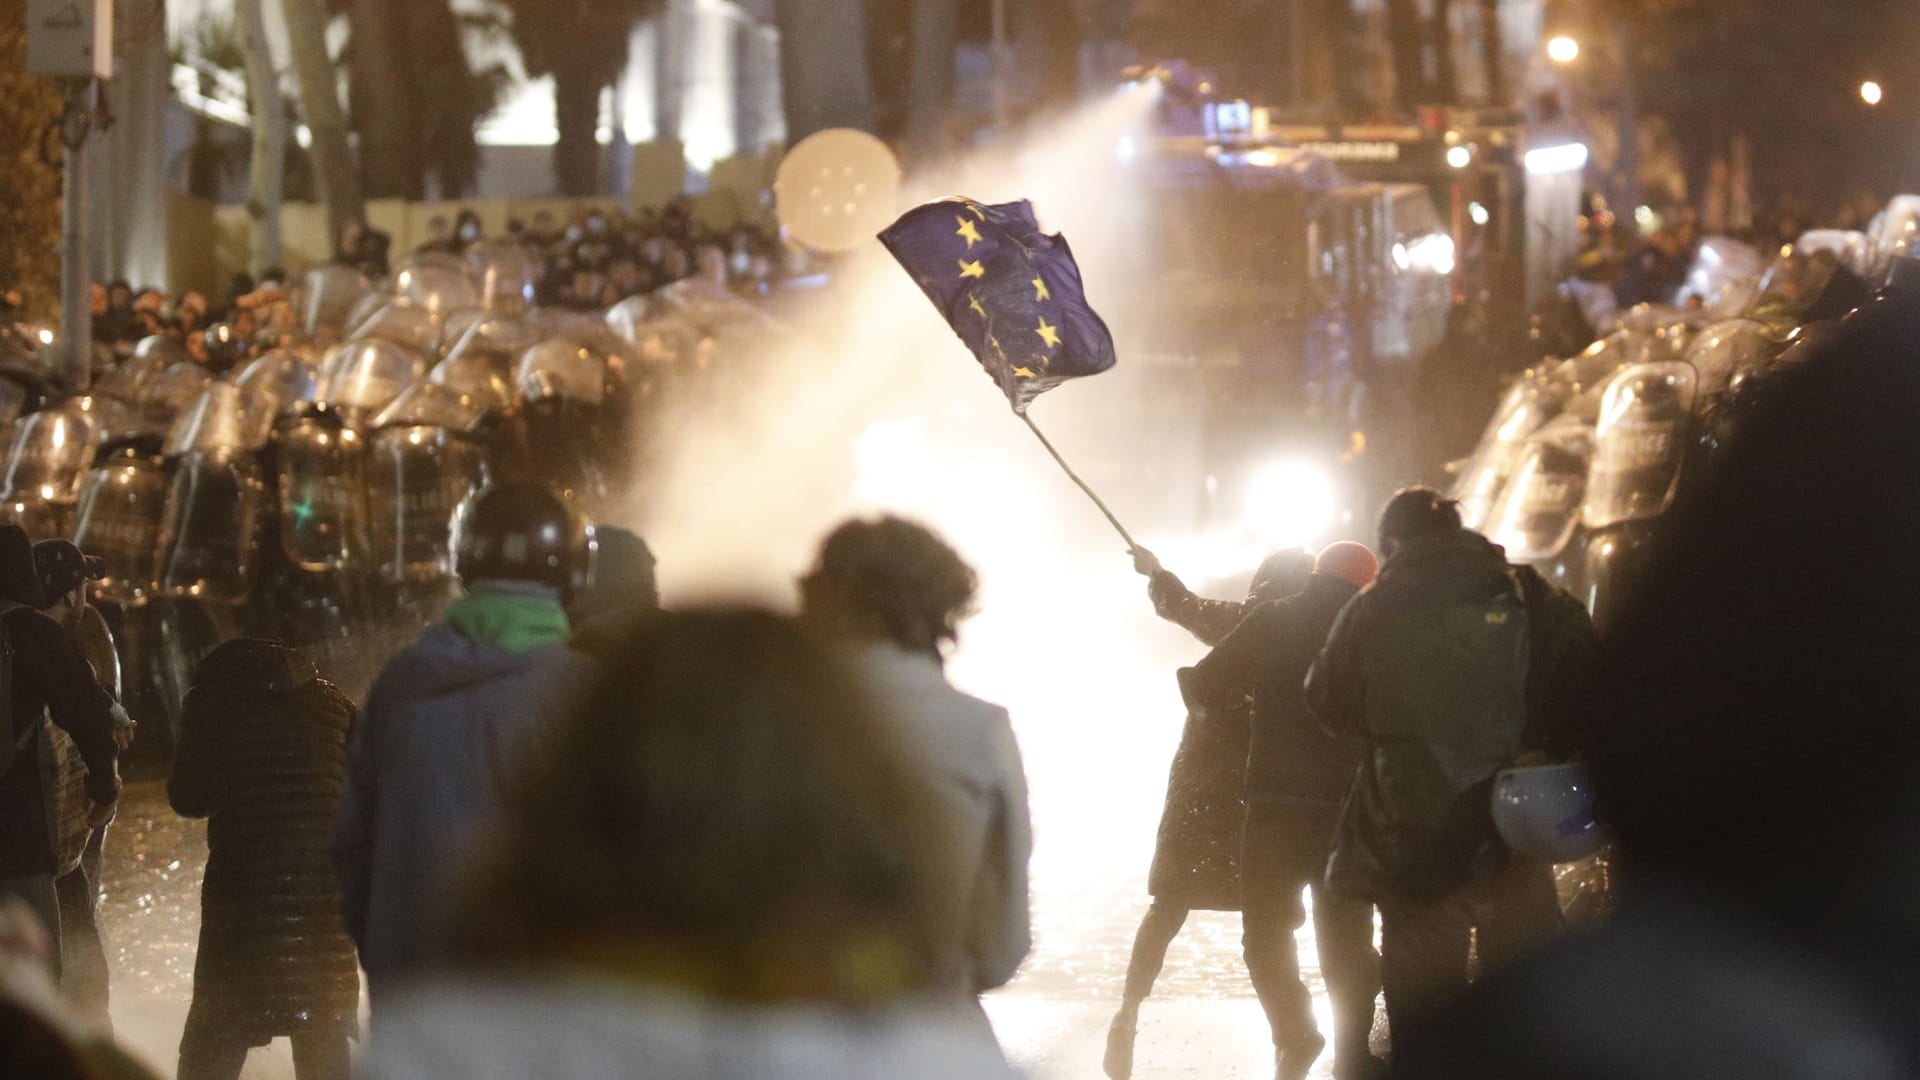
(1012, 292)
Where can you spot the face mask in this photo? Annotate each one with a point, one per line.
(469, 233)
(739, 264)
(574, 233)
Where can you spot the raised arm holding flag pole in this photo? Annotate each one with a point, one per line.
(1014, 296)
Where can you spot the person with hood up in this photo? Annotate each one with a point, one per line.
(1452, 666)
(49, 685)
(450, 716)
(726, 865)
(1196, 853)
(262, 756)
(894, 593)
(1297, 775)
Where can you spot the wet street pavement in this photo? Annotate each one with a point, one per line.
(1202, 1020)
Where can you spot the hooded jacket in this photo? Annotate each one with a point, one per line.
(447, 721)
(1426, 670)
(262, 754)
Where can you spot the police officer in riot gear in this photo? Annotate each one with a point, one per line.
(467, 696)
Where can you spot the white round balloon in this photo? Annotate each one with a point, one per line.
(837, 190)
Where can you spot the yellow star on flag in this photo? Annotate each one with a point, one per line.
(1040, 290)
(974, 303)
(1022, 373)
(1048, 334)
(968, 231)
(972, 269)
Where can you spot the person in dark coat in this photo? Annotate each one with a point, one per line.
(262, 756)
(1297, 775)
(1437, 671)
(64, 573)
(447, 721)
(49, 680)
(1753, 746)
(1196, 853)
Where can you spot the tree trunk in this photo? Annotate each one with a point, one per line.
(437, 67)
(576, 111)
(1629, 167)
(269, 137)
(935, 37)
(320, 104)
(1440, 35)
(823, 66)
(1409, 67)
(1493, 45)
(383, 114)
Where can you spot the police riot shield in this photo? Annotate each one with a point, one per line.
(362, 378)
(506, 274)
(122, 505)
(1640, 443)
(438, 284)
(1535, 516)
(406, 324)
(173, 390)
(281, 380)
(328, 295)
(208, 542)
(423, 464)
(476, 376)
(323, 491)
(223, 419)
(129, 380)
(53, 448)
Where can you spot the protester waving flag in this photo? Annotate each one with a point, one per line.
(1011, 292)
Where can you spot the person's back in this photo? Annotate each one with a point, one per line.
(726, 866)
(449, 717)
(1429, 669)
(894, 593)
(262, 756)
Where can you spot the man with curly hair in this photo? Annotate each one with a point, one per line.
(895, 593)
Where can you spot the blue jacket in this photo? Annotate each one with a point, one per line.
(446, 721)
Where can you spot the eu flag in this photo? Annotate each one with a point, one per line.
(1011, 292)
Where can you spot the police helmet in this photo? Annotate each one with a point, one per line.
(519, 531)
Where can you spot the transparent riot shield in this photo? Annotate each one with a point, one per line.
(53, 448)
(328, 295)
(323, 491)
(122, 505)
(1535, 516)
(173, 390)
(209, 548)
(419, 474)
(439, 284)
(408, 325)
(281, 380)
(224, 419)
(506, 274)
(1639, 444)
(362, 378)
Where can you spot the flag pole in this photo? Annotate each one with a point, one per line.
(1075, 477)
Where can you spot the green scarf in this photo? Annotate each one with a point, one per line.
(514, 623)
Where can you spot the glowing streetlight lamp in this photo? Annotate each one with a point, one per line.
(1563, 49)
(1871, 93)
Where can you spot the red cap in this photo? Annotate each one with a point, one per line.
(1349, 561)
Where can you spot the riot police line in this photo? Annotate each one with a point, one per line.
(301, 486)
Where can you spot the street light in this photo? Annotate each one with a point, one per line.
(1871, 93)
(1563, 50)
